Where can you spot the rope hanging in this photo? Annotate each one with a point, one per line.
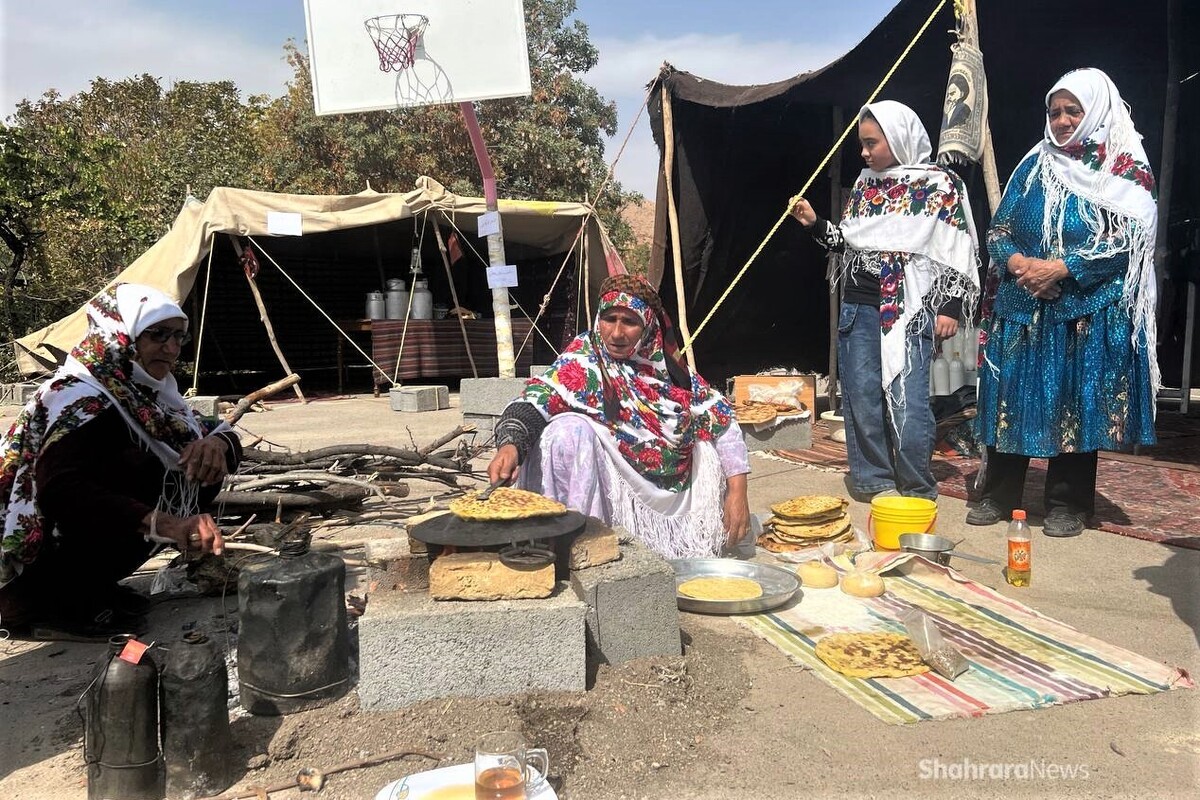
(192, 392)
(820, 167)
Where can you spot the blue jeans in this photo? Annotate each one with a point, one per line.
(889, 445)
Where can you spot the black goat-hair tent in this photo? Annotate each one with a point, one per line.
(741, 151)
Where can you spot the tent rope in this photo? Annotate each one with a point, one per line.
(192, 392)
(306, 296)
(613, 166)
(408, 310)
(820, 167)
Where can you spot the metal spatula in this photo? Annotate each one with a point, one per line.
(486, 493)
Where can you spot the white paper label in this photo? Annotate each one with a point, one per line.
(488, 223)
(283, 223)
(502, 277)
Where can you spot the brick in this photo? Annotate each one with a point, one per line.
(481, 576)
(414, 398)
(413, 648)
(631, 606)
(488, 395)
(795, 434)
(393, 567)
(597, 544)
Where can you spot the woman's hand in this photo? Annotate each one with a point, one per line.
(1039, 276)
(737, 510)
(505, 466)
(203, 460)
(803, 212)
(198, 534)
(944, 327)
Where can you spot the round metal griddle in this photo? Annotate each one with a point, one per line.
(449, 529)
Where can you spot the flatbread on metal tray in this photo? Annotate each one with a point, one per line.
(871, 655)
(807, 506)
(721, 588)
(506, 502)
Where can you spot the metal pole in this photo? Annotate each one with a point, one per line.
(495, 241)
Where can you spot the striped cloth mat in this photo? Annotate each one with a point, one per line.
(1019, 657)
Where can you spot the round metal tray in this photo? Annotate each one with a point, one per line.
(778, 584)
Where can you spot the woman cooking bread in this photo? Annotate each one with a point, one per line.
(105, 462)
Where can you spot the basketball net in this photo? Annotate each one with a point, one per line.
(396, 37)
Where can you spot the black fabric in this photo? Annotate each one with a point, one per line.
(741, 152)
(1070, 481)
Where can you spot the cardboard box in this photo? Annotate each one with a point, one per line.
(808, 390)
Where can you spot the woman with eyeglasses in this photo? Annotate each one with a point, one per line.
(105, 463)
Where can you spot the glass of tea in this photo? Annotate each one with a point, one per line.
(504, 767)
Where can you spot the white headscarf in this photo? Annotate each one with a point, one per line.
(902, 128)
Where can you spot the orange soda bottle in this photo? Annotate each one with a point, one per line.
(1019, 550)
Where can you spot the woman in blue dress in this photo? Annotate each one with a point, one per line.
(1068, 366)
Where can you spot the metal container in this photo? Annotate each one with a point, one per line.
(931, 546)
(422, 300)
(293, 643)
(778, 584)
(396, 304)
(120, 733)
(376, 307)
(197, 745)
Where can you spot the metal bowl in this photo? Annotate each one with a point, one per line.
(778, 585)
(931, 546)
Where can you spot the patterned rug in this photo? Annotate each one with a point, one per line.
(1140, 496)
(1020, 659)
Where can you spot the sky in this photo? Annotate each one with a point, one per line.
(64, 44)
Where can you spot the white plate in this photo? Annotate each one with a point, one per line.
(448, 783)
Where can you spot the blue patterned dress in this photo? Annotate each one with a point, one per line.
(1064, 374)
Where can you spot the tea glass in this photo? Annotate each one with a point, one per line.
(504, 767)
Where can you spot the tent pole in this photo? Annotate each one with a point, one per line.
(266, 321)
(673, 213)
(835, 214)
(1166, 181)
(437, 231)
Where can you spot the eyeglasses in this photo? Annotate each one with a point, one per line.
(161, 335)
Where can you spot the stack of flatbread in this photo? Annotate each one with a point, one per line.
(756, 412)
(806, 521)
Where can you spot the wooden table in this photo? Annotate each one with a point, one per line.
(434, 348)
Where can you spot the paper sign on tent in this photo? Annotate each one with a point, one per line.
(283, 223)
(488, 223)
(502, 277)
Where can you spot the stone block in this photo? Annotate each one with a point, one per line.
(443, 396)
(392, 566)
(488, 395)
(795, 434)
(413, 648)
(414, 398)
(481, 576)
(484, 423)
(204, 405)
(631, 606)
(596, 544)
(538, 370)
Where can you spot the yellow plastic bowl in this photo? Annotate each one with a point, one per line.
(892, 516)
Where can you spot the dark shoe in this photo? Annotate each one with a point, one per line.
(1061, 523)
(987, 512)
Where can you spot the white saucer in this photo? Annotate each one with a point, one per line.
(448, 783)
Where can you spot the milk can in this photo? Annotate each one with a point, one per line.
(120, 732)
(397, 299)
(422, 300)
(293, 644)
(376, 308)
(197, 746)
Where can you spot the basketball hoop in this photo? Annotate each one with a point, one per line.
(396, 37)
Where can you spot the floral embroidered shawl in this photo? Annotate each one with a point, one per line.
(99, 373)
(655, 420)
(913, 223)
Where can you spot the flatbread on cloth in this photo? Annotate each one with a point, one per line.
(871, 655)
(806, 506)
(721, 588)
(506, 503)
(821, 530)
(754, 413)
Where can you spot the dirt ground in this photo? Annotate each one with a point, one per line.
(730, 718)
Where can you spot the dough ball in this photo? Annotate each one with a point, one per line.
(863, 584)
(817, 575)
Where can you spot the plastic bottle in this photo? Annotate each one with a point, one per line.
(957, 376)
(941, 377)
(1020, 562)
(422, 300)
(120, 739)
(197, 746)
(293, 643)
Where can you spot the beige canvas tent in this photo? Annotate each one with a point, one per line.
(343, 267)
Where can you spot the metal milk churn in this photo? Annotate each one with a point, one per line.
(197, 746)
(422, 300)
(376, 305)
(293, 644)
(120, 735)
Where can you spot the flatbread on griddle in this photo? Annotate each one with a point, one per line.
(506, 503)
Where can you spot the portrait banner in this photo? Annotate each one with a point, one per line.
(964, 110)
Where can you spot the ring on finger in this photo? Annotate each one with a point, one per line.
(193, 537)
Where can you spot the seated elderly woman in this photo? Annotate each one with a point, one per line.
(104, 464)
(619, 429)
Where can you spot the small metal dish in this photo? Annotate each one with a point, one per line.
(937, 549)
(778, 585)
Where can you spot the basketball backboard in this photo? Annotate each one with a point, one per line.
(370, 55)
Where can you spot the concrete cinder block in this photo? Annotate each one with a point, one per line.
(631, 606)
(204, 405)
(488, 395)
(538, 370)
(443, 396)
(392, 566)
(484, 423)
(413, 648)
(481, 576)
(414, 398)
(795, 434)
